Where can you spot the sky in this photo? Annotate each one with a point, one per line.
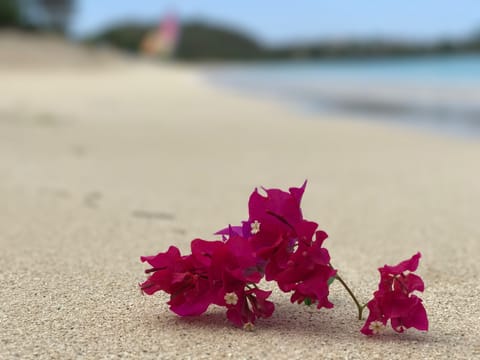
(283, 21)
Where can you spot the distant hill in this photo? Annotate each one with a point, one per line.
(198, 41)
(201, 41)
(125, 36)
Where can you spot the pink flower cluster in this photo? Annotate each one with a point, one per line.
(394, 300)
(278, 244)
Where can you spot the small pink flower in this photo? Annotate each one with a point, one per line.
(286, 205)
(249, 306)
(306, 271)
(183, 278)
(217, 272)
(288, 247)
(394, 300)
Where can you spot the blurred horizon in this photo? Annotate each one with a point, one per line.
(308, 21)
(204, 30)
(399, 64)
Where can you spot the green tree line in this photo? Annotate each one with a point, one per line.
(37, 15)
(200, 41)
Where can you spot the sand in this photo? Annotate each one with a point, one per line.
(101, 165)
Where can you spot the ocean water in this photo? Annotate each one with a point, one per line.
(440, 93)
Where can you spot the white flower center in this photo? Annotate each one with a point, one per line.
(255, 226)
(377, 327)
(231, 298)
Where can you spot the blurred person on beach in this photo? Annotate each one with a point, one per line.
(162, 41)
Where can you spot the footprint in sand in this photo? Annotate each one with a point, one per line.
(78, 150)
(57, 192)
(46, 119)
(152, 215)
(92, 199)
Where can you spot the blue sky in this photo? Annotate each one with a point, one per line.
(279, 21)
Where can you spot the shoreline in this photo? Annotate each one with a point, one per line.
(446, 105)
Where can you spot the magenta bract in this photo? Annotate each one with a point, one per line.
(394, 300)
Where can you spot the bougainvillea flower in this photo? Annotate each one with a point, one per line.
(277, 243)
(283, 243)
(231, 231)
(244, 307)
(183, 278)
(306, 272)
(196, 281)
(232, 272)
(394, 300)
(401, 277)
(233, 265)
(164, 266)
(279, 207)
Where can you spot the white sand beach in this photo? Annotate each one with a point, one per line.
(102, 164)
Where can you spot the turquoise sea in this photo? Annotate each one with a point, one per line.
(440, 93)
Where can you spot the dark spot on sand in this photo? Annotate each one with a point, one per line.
(78, 150)
(57, 192)
(152, 215)
(92, 198)
(46, 119)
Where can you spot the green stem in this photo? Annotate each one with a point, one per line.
(352, 295)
